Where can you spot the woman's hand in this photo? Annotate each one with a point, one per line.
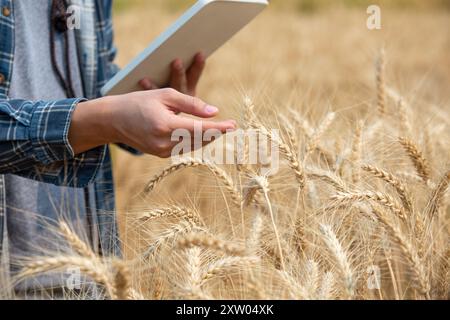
(144, 120)
(182, 79)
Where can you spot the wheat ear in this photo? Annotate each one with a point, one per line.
(381, 83)
(97, 271)
(328, 177)
(443, 275)
(341, 257)
(249, 120)
(326, 287)
(254, 240)
(174, 211)
(249, 192)
(212, 243)
(437, 196)
(355, 156)
(417, 266)
(193, 269)
(220, 266)
(122, 280)
(311, 282)
(287, 153)
(417, 158)
(169, 235)
(380, 198)
(295, 289)
(392, 181)
(249, 112)
(308, 130)
(75, 242)
(192, 163)
(319, 132)
(404, 118)
(403, 111)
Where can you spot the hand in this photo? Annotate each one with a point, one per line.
(182, 79)
(143, 120)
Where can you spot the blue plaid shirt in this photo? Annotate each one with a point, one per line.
(34, 134)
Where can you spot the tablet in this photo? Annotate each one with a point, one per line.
(205, 27)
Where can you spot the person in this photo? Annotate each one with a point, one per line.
(55, 127)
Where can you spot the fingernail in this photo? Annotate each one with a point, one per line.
(211, 109)
(200, 57)
(178, 64)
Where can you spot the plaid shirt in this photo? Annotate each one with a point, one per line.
(34, 134)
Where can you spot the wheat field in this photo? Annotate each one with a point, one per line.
(359, 208)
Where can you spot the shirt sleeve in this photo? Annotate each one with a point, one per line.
(34, 143)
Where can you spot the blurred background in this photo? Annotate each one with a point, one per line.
(314, 55)
(303, 6)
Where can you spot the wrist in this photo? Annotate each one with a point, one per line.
(91, 125)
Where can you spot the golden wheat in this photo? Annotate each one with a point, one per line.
(417, 158)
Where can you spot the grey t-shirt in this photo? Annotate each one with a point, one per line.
(33, 208)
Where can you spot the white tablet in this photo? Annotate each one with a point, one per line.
(205, 27)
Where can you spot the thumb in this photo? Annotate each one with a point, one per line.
(188, 104)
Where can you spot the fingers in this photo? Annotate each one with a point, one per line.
(192, 125)
(147, 84)
(178, 79)
(188, 104)
(195, 72)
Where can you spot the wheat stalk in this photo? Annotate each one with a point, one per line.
(263, 184)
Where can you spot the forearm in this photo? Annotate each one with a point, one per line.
(91, 125)
(34, 143)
